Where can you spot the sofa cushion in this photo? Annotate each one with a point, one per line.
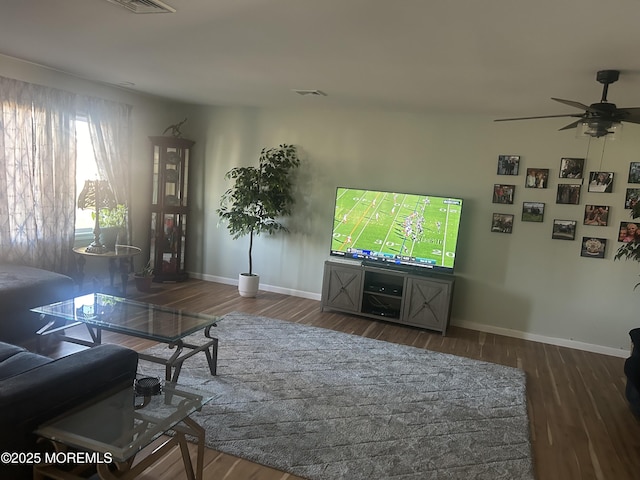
(22, 288)
(52, 388)
(21, 362)
(7, 350)
(15, 360)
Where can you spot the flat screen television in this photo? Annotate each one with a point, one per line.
(396, 229)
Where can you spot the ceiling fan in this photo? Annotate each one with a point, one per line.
(599, 119)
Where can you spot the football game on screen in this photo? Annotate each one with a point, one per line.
(397, 224)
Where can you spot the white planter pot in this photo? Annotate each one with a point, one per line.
(248, 284)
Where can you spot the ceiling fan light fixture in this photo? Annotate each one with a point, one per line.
(597, 128)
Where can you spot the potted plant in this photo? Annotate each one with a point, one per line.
(144, 277)
(258, 198)
(112, 224)
(630, 249)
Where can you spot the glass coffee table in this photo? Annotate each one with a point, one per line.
(115, 428)
(99, 312)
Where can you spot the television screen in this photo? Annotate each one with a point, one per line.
(396, 228)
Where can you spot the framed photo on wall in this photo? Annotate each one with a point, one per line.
(571, 167)
(631, 197)
(564, 229)
(601, 182)
(593, 247)
(508, 164)
(629, 232)
(537, 178)
(502, 223)
(596, 215)
(532, 211)
(634, 172)
(568, 193)
(503, 193)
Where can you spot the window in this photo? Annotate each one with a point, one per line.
(86, 169)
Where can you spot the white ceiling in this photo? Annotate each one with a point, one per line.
(497, 57)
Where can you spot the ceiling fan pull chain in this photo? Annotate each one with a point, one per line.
(588, 148)
(604, 144)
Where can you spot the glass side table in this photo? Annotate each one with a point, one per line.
(122, 253)
(117, 427)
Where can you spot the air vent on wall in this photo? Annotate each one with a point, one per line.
(144, 6)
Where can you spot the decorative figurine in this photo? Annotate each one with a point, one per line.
(175, 129)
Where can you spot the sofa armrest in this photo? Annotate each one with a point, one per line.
(39, 394)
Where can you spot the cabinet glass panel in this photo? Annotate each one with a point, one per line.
(185, 178)
(152, 237)
(173, 242)
(156, 171)
(172, 181)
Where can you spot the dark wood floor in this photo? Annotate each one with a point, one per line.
(580, 425)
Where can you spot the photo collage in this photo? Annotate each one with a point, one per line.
(574, 185)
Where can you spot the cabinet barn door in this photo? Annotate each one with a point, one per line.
(344, 288)
(428, 304)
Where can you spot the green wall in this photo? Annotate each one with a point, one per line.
(524, 284)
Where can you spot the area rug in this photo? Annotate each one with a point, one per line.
(326, 405)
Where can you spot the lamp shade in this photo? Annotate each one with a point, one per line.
(96, 194)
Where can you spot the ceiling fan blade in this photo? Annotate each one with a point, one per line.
(572, 125)
(571, 103)
(631, 115)
(543, 116)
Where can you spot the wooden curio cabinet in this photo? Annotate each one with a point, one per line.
(169, 207)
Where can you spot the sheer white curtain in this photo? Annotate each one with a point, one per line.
(110, 131)
(37, 175)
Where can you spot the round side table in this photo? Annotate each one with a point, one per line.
(122, 253)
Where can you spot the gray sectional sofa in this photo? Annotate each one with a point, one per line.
(34, 389)
(632, 371)
(23, 288)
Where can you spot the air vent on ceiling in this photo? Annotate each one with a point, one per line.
(144, 6)
(319, 93)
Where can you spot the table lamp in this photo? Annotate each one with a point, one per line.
(96, 194)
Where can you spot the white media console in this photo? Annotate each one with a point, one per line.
(387, 294)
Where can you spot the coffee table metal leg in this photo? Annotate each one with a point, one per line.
(191, 427)
(183, 351)
(176, 372)
(43, 333)
(186, 458)
(96, 334)
(212, 357)
(127, 471)
(57, 327)
(174, 362)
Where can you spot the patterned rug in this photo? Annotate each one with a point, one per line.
(328, 405)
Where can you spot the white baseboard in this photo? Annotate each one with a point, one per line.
(507, 332)
(266, 288)
(560, 342)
